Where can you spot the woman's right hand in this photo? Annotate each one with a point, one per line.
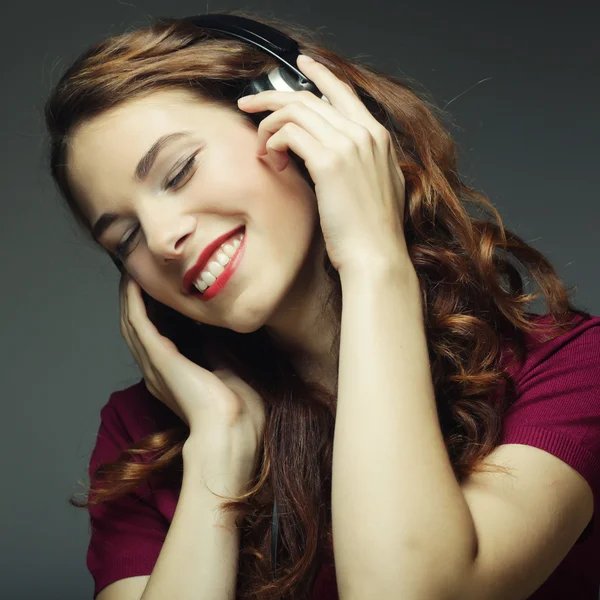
(225, 415)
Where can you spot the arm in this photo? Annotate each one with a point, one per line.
(398, 512)
(199, 558)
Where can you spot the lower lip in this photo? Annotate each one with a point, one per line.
(224, 277)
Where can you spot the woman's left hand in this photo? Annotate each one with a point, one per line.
(359, 186)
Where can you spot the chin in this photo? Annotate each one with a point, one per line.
(246, 324)
(246, 329)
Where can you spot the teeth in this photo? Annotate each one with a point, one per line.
(208, 277)
(215, 268)
(229, 250)
(222, 258)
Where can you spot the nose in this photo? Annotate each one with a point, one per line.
(166, 235)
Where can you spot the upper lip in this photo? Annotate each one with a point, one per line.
(193, 273)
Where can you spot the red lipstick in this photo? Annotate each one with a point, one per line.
(193, 273)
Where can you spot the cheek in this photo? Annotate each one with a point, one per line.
(142, 269)
(233, 172)
(280, 205)
(289, 215)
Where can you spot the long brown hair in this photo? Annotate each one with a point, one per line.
(473, 299)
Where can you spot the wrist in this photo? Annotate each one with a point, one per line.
(397, 271)
(216, 464)
(378, 287)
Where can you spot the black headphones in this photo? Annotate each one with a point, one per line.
(286, 77)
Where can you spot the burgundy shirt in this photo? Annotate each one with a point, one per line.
(557, 409)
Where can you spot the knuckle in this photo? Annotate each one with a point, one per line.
(306, 96)
(288, 128)
(382, 135)
(296, 107)
(347, 145)
(363, 136)
(330, 163)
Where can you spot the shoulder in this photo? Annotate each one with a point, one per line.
(580, 343)
(558, 374)
(557, 396)
(127, 532)
(550, 442)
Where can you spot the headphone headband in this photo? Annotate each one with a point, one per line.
(262, 36)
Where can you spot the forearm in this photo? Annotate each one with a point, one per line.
(199, 557)
(398, 512)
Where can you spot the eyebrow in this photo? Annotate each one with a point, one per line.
(141, 172)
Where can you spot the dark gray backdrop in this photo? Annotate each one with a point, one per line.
(521, 82)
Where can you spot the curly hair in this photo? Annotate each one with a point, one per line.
(473, 300)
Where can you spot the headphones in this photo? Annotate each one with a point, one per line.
(285, 77)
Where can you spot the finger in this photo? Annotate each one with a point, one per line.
(298, 140)
(339, 93)
(142, 327)
(322, 121)
(124, 318)
(154, 349)
(342, 96)
(365, 130)
(305, 106)
(134, 345)
(153, 379)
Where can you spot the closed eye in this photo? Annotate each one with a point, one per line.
(123, 246)
(182, 173)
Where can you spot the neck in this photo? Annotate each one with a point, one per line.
(303, 326)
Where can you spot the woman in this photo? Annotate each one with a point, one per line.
(348, 296)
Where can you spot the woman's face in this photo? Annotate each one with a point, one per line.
(227, 186)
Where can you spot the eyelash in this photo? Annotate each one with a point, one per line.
(124, 245)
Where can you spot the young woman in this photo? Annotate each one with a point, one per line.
(328, 339)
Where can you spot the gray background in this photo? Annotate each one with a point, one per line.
(521, 82)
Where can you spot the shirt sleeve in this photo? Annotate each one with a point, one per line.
(127, 534)
(557, 408)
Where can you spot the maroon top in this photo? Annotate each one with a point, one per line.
(557, 409)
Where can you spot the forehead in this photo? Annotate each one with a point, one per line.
(144, 119)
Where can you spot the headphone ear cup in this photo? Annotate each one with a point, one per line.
(255, 86)
(280, 79)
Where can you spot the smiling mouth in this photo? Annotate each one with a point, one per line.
(220, 267)
(194, 273)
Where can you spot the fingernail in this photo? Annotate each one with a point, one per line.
(306, 58)
(245, 99)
